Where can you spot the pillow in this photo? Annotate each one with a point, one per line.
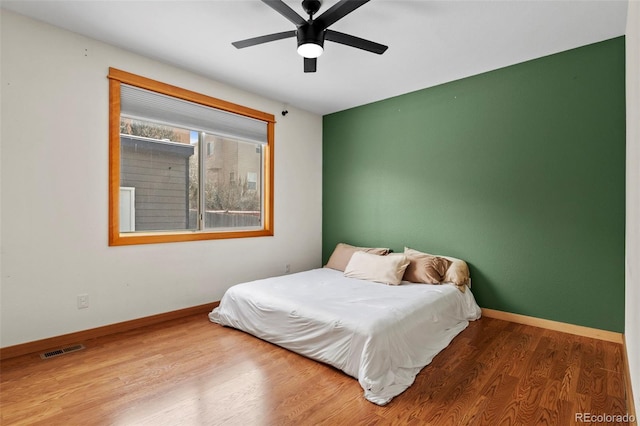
(425, 268)
(342, 254)
(383, 269)
(457, 271)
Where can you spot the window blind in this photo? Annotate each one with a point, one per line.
(146, 105)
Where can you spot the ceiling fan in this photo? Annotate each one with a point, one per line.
(312, 33)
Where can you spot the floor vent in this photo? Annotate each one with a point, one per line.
(62, 351)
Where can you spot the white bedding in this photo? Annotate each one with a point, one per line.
(382, 335)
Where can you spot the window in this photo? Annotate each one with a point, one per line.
(177, 162)
(252, 181)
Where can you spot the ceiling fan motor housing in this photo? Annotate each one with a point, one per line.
(309, 33)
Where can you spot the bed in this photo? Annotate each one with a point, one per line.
(380, 334)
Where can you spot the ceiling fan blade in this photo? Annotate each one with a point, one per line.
(263, 39)
(354, 41)
(310, 64)
(338, 11)
(284, 10)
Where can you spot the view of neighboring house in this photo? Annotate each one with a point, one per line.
(159, 180)
(157, 173)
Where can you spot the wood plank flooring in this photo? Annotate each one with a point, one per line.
(192, 372)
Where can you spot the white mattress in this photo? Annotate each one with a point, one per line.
(381, 335)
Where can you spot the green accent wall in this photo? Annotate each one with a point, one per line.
(519, 171)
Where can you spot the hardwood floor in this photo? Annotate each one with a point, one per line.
(193, 372)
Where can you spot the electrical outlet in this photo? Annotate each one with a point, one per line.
(83, 301)
(287, 268)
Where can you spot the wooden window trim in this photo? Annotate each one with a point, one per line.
(116, 77)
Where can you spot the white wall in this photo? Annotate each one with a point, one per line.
(54, 197)
(632, 275)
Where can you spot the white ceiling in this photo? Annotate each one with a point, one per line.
(430, 42)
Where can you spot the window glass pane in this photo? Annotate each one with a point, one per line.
(161, 166)
(160, 163)
(231, 201)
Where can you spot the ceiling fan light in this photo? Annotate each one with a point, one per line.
(310, 50)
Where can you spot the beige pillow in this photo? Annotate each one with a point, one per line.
(383, 269)
(457, 272)
(343, 252)
(424, 267)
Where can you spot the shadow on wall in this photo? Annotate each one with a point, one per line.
(488, 293)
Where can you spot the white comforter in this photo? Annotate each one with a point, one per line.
(382, 335)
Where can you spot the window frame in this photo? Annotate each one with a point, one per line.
(116, 238)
